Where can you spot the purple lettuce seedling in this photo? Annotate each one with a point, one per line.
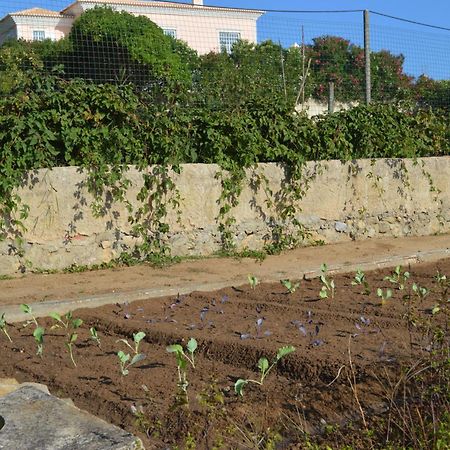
(264, 369)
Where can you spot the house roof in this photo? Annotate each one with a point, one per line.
(39, 12)
(164, 4)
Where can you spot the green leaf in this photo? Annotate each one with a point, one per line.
(38, 334)
(25, 308)
(239, 386)
(175, 348)
(124, 357)
(263, 364)
(137, 358)
(191, 345)
(283, 351)
(55, 316)
(73, 338)
(76, 323)
(138, 337)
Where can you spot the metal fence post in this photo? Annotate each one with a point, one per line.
(367, 56)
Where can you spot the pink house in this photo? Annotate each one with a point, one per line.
(203, 28)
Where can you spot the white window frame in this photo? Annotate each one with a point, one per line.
(170, 31)
(41, 36)
(229, 45)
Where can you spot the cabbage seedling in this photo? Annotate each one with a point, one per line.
(398, 277)
(253, 281)
(327, 283)
(137, 338)
(360, 280)
(3, 326)
(384, 295)
(94, 336)
(28, 310)
(38, 334)
(290, 286)
(182, 360)
(125, 360)
(264, 369)
(70, 324)
(125, 357)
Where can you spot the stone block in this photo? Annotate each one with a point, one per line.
(34, 419)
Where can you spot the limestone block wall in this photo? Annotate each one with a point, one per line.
(342, 201)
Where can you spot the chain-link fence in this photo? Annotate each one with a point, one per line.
(315, 61)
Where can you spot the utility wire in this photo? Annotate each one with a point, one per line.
(410, 21)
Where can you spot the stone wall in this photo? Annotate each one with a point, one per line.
(355, 200)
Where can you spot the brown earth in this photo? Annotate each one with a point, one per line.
(349, 349)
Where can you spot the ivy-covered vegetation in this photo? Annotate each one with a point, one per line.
(117, 91)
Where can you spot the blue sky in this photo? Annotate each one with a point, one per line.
(426, 50)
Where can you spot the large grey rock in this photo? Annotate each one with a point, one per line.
(34, 420)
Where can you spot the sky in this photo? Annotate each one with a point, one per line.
(426, 50)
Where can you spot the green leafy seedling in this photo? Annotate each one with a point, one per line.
(264, 369)
(70, 324)
(290, 286)
(125, 363)
(384, 295)
(28, 310)
(253, 281)
(183, 359)
(38, 334)
(137, 338)
(360, 280)
(398, 277)
(328, 286)
(3, 326)
(420, 291)
(125, 360)
(94, 336)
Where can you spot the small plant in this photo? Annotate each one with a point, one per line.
(28, 310)
(125, 363)
(290, 286)
(253, 281)
(137, 338)
(264, 369)
(384, 295)
(182, 360)
(3, 327)
(38, 334)
(360, 280)
(327, 283)
(420, 291)
(125, 360)
(94, 336)
(70, 324)
(398, 277)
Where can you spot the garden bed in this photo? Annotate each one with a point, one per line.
(351, 352)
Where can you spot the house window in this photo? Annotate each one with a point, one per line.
(38, 35)
(227, 39)
(172, 32)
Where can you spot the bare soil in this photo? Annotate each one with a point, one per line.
(350, 349)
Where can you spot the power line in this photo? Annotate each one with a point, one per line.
(410, 21)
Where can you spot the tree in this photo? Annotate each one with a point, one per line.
(106, 46)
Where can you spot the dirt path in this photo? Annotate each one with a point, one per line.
(63, 292)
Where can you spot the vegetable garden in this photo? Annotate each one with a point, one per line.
(356, 360)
